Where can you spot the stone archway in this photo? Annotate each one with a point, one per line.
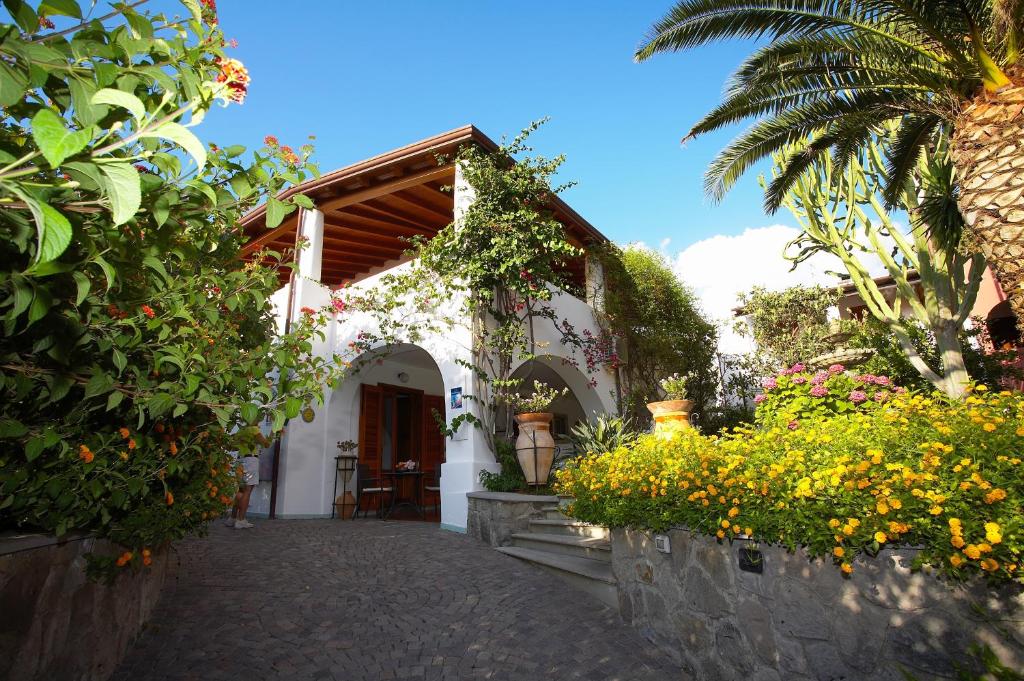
(405, 385)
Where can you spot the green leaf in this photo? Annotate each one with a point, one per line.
(159, 404)
(275, 212)
(24, 15)
(13, 84)
(250, 412)
(155, 265)
(67, 8)
(33, 449)
(108, 270)
(55, 237)
(54, 139)
(179, 409)
(41, 304)
(23, 294)
(161, 209)
(114, 399)
(120, 361)
(83, 284)
(100, 383)
(123, 189)
(292, 406)
(9, 428)
(303, 201)
(125, 100)
(183, 137)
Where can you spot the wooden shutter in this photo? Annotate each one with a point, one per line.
(369, 427)
(433, 440)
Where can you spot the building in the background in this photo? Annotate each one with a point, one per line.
(365, 215)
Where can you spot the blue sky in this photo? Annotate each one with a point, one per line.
(368, 77)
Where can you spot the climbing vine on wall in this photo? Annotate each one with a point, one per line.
(507, 258)
(660, 326)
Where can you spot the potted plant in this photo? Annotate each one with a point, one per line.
(673, 412)
(535, 447)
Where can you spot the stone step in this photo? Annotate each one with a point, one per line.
(553, 513)
(567, 526)
(592, 576)
(594, 548)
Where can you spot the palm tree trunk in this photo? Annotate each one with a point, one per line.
(988, 152)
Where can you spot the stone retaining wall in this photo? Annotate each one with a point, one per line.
(57, 624)
(495, 516)
(801, 619)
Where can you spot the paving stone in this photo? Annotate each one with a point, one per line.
(346, 601)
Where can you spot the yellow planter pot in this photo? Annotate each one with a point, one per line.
(670, 416)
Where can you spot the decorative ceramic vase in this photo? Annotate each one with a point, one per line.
(670, 416)
(344, 505)
(535, 447)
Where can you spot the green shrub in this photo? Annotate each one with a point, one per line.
(604, 434)
(136, 346)
(510, 478)
(923, 471)
(796, 394)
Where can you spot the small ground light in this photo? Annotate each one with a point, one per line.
(751, 560)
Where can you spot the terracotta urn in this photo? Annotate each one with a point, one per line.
(535, 447)
(670, 416)
(344, 505)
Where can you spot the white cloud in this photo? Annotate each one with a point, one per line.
(721, 267)
(718, 269)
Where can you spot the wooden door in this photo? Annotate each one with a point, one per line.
(432, 440)
(370, 412)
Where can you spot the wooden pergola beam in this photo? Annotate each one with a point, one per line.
(362, 248)
(398, 184)
(396, 227)
(333, 230)
(353, 258)
(411, 210)
(257, 243)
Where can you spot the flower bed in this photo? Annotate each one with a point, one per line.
(917, 470)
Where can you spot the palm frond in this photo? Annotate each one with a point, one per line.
(904, 154)
(844, 138)
(772, 134)
(697, 22)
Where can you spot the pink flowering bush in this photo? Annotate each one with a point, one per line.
(796, 394)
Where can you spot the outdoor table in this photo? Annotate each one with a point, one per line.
(415, 501)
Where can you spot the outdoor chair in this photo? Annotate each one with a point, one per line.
(371, 486)
(433, 486)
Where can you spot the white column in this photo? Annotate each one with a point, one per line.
(311, 226)
(595, 283)
(307, 460)
(467, 453)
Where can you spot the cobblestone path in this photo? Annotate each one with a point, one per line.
(318, 599)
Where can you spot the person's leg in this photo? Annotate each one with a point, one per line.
(242, 504)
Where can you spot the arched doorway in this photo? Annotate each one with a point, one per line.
(580, 404)
(386, 407)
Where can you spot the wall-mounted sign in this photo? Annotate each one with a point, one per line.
(456, 399)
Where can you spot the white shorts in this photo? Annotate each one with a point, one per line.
(251, 470)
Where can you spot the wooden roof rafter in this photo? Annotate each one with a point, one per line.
(372, 208)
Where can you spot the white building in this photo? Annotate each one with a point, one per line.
(356, 234)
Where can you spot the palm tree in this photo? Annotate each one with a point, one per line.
(839, 69)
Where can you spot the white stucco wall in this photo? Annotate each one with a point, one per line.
(306, 471)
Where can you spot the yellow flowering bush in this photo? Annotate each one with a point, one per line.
(923, 471)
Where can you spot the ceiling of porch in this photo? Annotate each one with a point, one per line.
(373, 208)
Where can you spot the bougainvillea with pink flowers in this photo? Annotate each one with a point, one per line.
(797, 393)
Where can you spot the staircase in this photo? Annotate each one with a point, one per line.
(576, 552)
